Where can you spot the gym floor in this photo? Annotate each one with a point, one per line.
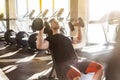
(24, 64)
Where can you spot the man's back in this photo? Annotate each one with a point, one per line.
(62, 49)
(63, 54)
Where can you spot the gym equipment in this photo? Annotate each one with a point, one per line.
(31, 14)
(81, 22)
(68, 16)
(73, 23)
(38, 24)
(53, 15)
(22, 39)
(47, 29)
(32, 41)
(39, 14)
(26, 14)
(45, 13)
(71, 26)
(59, 14)
(10, 36)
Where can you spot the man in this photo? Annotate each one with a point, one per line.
(112, 70)
(66, 62)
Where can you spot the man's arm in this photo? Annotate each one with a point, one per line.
(78, 37)
(80, 24)
(40, 42)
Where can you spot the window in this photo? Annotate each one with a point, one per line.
(62, 4)
(34, 5)
(55, 5)
(47, 4)
(24, 6)
(2, 10)
(21, 7)
(26, 10)
(2, 6)
(101, 32)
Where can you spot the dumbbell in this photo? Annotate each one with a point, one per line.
(81, 22)
(22, 39)
(32, 41)
(47, 29)
(9, 36)
(74, 23)
(38, 24)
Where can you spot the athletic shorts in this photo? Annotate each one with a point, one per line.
(84, 67)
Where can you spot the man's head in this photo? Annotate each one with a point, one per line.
(54, 24)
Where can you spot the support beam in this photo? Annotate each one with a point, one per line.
(73, 9)
(7, 14)
(41, 4)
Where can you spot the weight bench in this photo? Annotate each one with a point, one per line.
(51, 75)
(58, 75)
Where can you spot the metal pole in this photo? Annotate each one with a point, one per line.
(7, 15)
